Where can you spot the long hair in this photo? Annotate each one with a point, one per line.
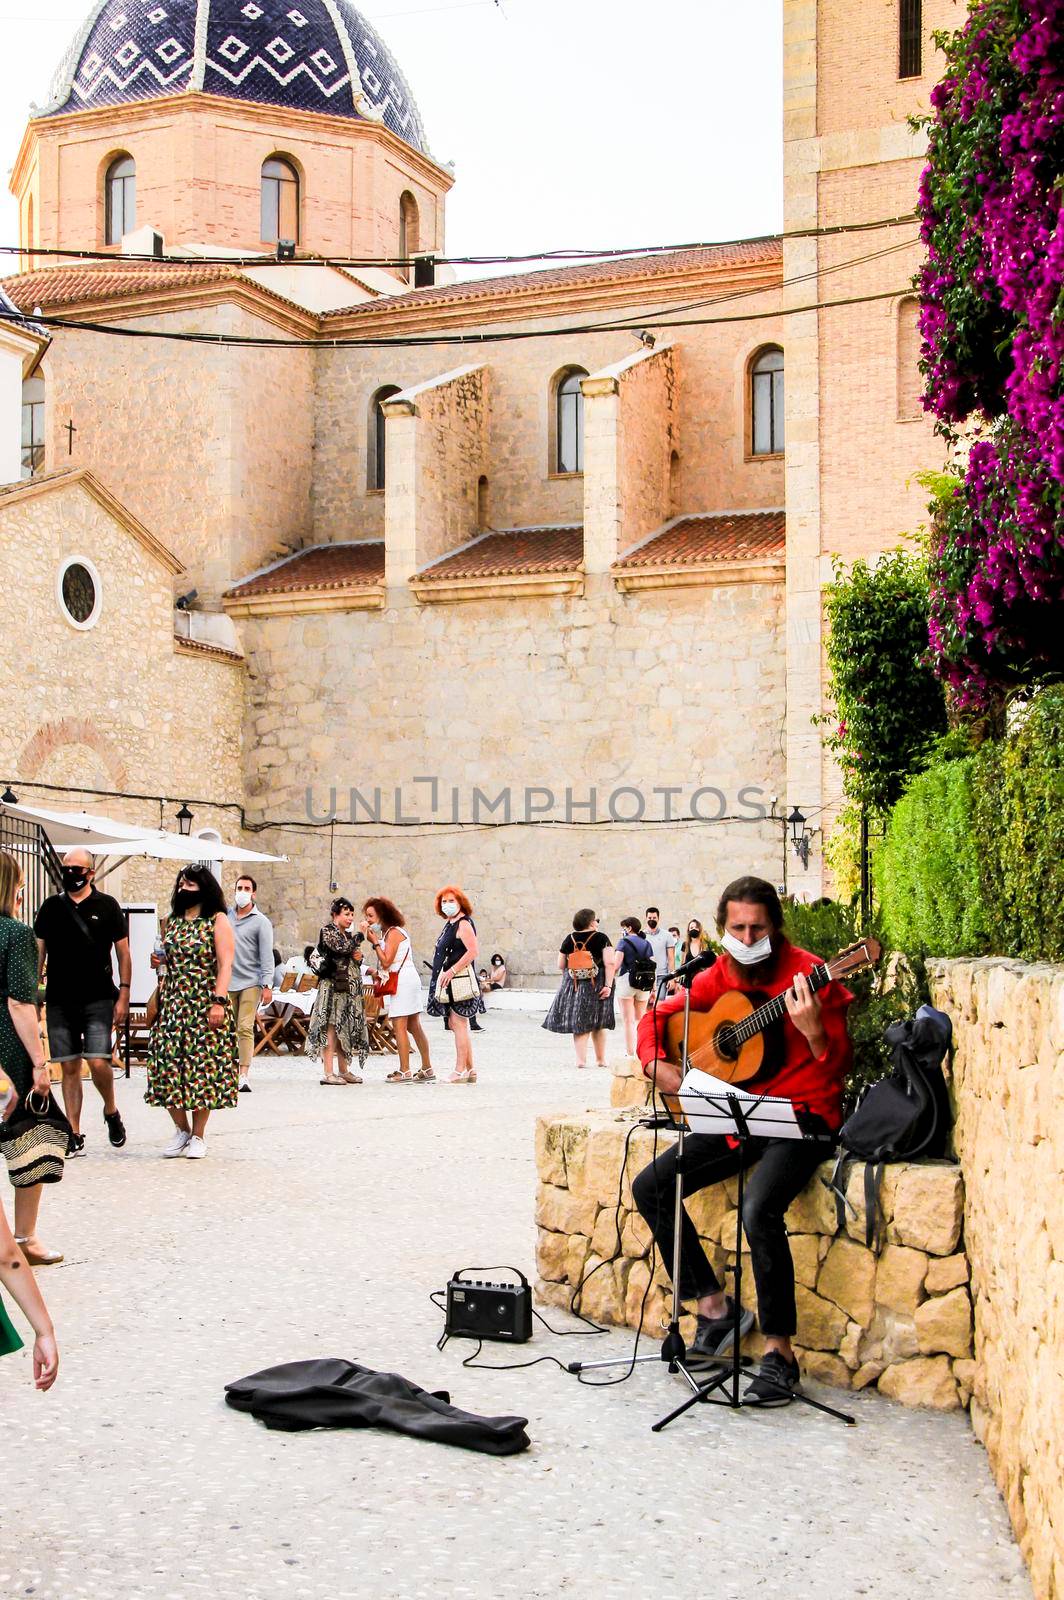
(393, 917)
(10, 883)
(212, 897)
(456, 893)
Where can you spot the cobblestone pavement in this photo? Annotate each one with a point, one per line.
(317, 1225)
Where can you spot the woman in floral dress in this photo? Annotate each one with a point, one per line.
(338, 1031)
(192, 1063)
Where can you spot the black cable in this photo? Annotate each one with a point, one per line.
(612, 253)
(472, 340)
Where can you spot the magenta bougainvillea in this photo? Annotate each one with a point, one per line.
(992, 320)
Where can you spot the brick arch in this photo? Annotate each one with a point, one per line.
(52, 736)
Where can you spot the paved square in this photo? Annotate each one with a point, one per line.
(318, 1224)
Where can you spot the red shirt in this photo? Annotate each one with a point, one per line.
(811, 1082)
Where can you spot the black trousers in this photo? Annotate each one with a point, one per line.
(782, 1168)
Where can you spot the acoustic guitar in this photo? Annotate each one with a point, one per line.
(740, 1040)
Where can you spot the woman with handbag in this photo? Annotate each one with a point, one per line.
(583, 1005)
(21, 1054)
(398, 985)
(338, 1031)
(453, 991)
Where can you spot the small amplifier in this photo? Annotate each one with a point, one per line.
(481, 1310)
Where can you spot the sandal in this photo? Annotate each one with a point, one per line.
(350, 1077)
(398, 1077)
(39, 1258)
(425, 1075)
(329, 1078)
(463, 1077)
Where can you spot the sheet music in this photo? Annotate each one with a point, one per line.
(767, 1116)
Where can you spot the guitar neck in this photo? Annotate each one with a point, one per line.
(776, 1008)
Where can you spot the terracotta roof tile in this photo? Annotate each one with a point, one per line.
(667, 264)
(54, 287)
(510, 554)
(323, 566)
(736, 536)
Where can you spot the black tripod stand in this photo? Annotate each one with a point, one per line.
(730, 1110)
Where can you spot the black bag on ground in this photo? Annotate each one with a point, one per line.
(901, 1117)
(332, 1393)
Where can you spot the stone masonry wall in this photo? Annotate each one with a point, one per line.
(436, 450)
(901, 1322)
(1008, 1087)
(116, 707)
(601, 691)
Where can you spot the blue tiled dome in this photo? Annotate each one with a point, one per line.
(311, 55)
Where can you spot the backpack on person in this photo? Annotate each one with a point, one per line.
(643, 969)
(901, 1117)
(580, 963)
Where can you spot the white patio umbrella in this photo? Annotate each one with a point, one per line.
(107, 836)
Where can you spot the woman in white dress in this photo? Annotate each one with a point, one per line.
(384, 927)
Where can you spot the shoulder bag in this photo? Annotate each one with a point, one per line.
(35, 1140)
(389, 983)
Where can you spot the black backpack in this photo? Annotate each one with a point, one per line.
(900, 1117)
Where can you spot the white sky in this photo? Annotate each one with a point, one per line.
(583, 123)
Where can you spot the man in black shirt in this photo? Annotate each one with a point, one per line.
(76, 932)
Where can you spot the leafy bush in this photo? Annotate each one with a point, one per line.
(889, 704)
(972, 861)
(893, 990)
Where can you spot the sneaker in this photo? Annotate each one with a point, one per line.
(116, 1128)
(196, 1148)
(775, 1384)
(244, 1086)
(177, 1144)
(714, 1335)
(75, 1145)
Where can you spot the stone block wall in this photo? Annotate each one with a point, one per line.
(1008, 1087)
(436, 453)
(901, 1321)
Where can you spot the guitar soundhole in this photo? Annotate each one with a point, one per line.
(727, 1044)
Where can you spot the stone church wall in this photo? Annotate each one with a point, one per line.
(114, 708)
(683, 688)
(712, 471)
(209, 448)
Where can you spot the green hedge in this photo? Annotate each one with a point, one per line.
(973, 859)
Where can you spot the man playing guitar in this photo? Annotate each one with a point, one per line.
(814, 1057)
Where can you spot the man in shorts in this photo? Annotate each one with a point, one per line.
(76, 932)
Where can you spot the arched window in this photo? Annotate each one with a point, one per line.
(120, 199)
(569, 421)
(910, 383)
(32, 426)
(409, 229)
(279, 202)
(766, 403)
(482, 502)
(375, 443)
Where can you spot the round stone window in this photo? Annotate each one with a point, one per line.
(79, 592)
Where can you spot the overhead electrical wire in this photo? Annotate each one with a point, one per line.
(648, 252)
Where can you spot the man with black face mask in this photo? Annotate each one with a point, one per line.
(812, 1062)
(76, 932)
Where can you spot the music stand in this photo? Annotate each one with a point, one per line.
(712, 1106)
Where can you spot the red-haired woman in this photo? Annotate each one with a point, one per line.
(456, 952)
(384, 927)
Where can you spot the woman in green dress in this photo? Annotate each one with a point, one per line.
(22, 1061)
(21, 1056)
(192, 1061)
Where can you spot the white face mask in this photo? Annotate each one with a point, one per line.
(448, 907)
(747, 955)
(242, 898)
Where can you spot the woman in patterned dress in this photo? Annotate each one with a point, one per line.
(192, 1062)
(338, 1031)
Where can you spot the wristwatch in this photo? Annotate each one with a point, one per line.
(219, 999)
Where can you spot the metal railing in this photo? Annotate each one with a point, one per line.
(31, 847)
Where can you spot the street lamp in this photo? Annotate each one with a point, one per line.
(799, 836)
(184, 821)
